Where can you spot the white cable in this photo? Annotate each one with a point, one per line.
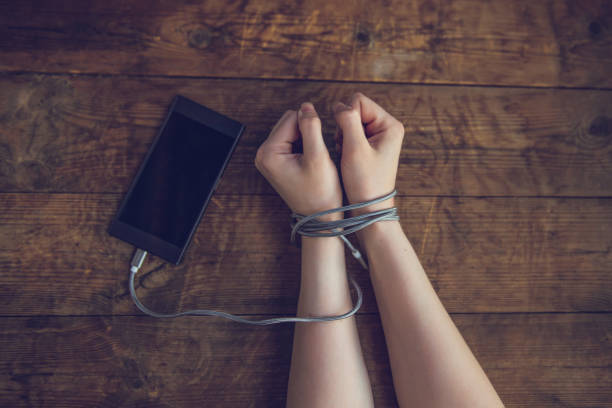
(304, 225)
(265, 322)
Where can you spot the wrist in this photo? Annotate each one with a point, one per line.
(332, 217)
(377, 232)
(325, 218)
(390, 203)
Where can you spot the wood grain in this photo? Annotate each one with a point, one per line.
(85, 134)
(532, 360)
(552, 43)
(482, 255)
(506, 190)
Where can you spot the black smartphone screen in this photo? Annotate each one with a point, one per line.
(179, 175)
(174, 184)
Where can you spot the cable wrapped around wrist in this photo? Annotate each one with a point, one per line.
(305, 225)
(310, 226)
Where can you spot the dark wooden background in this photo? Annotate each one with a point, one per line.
(505, 182)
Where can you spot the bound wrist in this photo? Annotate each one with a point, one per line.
(326, 218)
(331, 217)
(315, 209)
(390, 203)
(376, 231)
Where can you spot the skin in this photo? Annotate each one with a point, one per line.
(323, 353)
(431, 364)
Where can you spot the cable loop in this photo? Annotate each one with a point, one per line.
(310, 225)
(306, 225)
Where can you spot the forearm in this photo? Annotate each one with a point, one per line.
(324, 288)
(327, 367)
(431, 363)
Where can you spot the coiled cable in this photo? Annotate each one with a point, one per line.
(307, 225)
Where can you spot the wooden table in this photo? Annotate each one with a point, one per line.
(505, 182)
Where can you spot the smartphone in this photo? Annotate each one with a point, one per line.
(164, 205)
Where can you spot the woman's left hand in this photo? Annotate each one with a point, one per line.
(308, 181)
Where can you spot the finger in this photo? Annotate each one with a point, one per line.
(351, 127)
(374, 117)
(284, 133)
(309, 124)
(278, 122)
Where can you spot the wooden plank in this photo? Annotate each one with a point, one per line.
(86, 134)
(553, 43)
(482, 255)
(532, 360)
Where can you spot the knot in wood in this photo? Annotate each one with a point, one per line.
(200, 38)
(598, 135)
(363, 37)
(594, 28)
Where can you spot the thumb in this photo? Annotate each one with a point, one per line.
(309, 124)
(349, 121)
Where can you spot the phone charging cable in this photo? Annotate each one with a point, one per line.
(306, 225)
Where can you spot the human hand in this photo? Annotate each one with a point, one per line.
(371, 142)
(307, 182)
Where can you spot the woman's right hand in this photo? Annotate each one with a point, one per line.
(371, 141)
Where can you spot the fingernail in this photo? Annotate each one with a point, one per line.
(339, 106)
(307, 107)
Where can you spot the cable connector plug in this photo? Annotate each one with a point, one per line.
(359, 258)
(137, 260)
